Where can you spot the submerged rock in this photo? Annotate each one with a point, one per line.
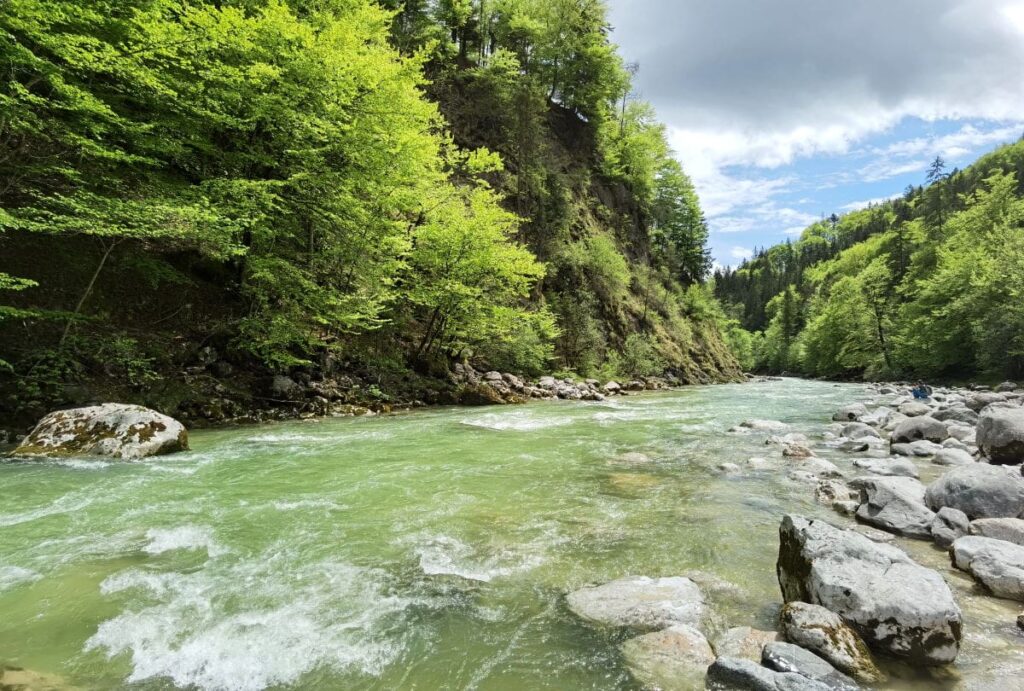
(1001, 435)
(744, 642)
(980, 491)
(896, 605)
(895, 467)
(116, 430)
(786, 657)
(826, 634)
(733, 674)
(996, 564)
(639, 602)
(674, 659)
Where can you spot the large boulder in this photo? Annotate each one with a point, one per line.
(896, 605)
(646, 604)
(674, 659)
(1008, 529)
(919, 428)
(979, 401)
(786, 657)
(1001, 435)
(915, 409)
(733, 674)
(996, 564)
(980, 491)
(895, 504)
(957, 414)
(826, 634)
(116, 430)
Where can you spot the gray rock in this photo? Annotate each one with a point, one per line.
(979, 401)
(950, 456)
(647, 604)
(786, 657)
(547, 383)
(830, 491)
(612, 387)
(846, 507)
(674, 659)
(859, 430)
(980, 491)
(895, 604)
(915, 409)
(285, 388)
(732, 674)
(996, 564)
(962, 433)
(826, 634)
(895, 467)
(877, 417)
(764, 425)
(854, 446)
(796, 451)
(919, 428)
(744, 642)
(1001, 435)
(895, 504)
(850, 413)
(1007, 387)
(128, 432)
(786, 439)
(949, 526)
(1008, 529)
(957, 414)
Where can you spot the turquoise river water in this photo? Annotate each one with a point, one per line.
(429, 550)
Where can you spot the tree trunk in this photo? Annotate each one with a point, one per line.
(88, 289)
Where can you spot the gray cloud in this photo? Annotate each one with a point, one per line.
(755, 64)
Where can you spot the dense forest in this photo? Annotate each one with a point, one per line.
(240, 188)
(927, 285)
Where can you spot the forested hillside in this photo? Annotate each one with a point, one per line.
(928, 285)
(234, 189)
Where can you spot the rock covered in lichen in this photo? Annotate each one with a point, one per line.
(893, 603)
(128, 432)
(826, 634)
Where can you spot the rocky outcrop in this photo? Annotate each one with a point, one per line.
(826, 634)
(674, 659)
(1001, 435)
(128, 432)
(980, 491)
(895, 504)
(919, 428)
(646, 604)
(896, 605)
(996, 564)
(733, 674)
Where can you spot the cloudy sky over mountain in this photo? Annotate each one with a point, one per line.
(788, 110)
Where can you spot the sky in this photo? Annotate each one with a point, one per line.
(787, 111)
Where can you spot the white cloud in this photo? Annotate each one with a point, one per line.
(857, 206)
(741, 253)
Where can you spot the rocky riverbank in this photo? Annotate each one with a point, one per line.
(855, 601)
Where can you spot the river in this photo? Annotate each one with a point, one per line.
(429, 550)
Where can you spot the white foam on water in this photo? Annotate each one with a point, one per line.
(82, 464)
(308, 504)
(65, 504)
(441, 555)
(248, 625)
(515, 422)
(13, 576)
(187, 537)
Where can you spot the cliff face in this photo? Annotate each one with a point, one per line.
(619, 304)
